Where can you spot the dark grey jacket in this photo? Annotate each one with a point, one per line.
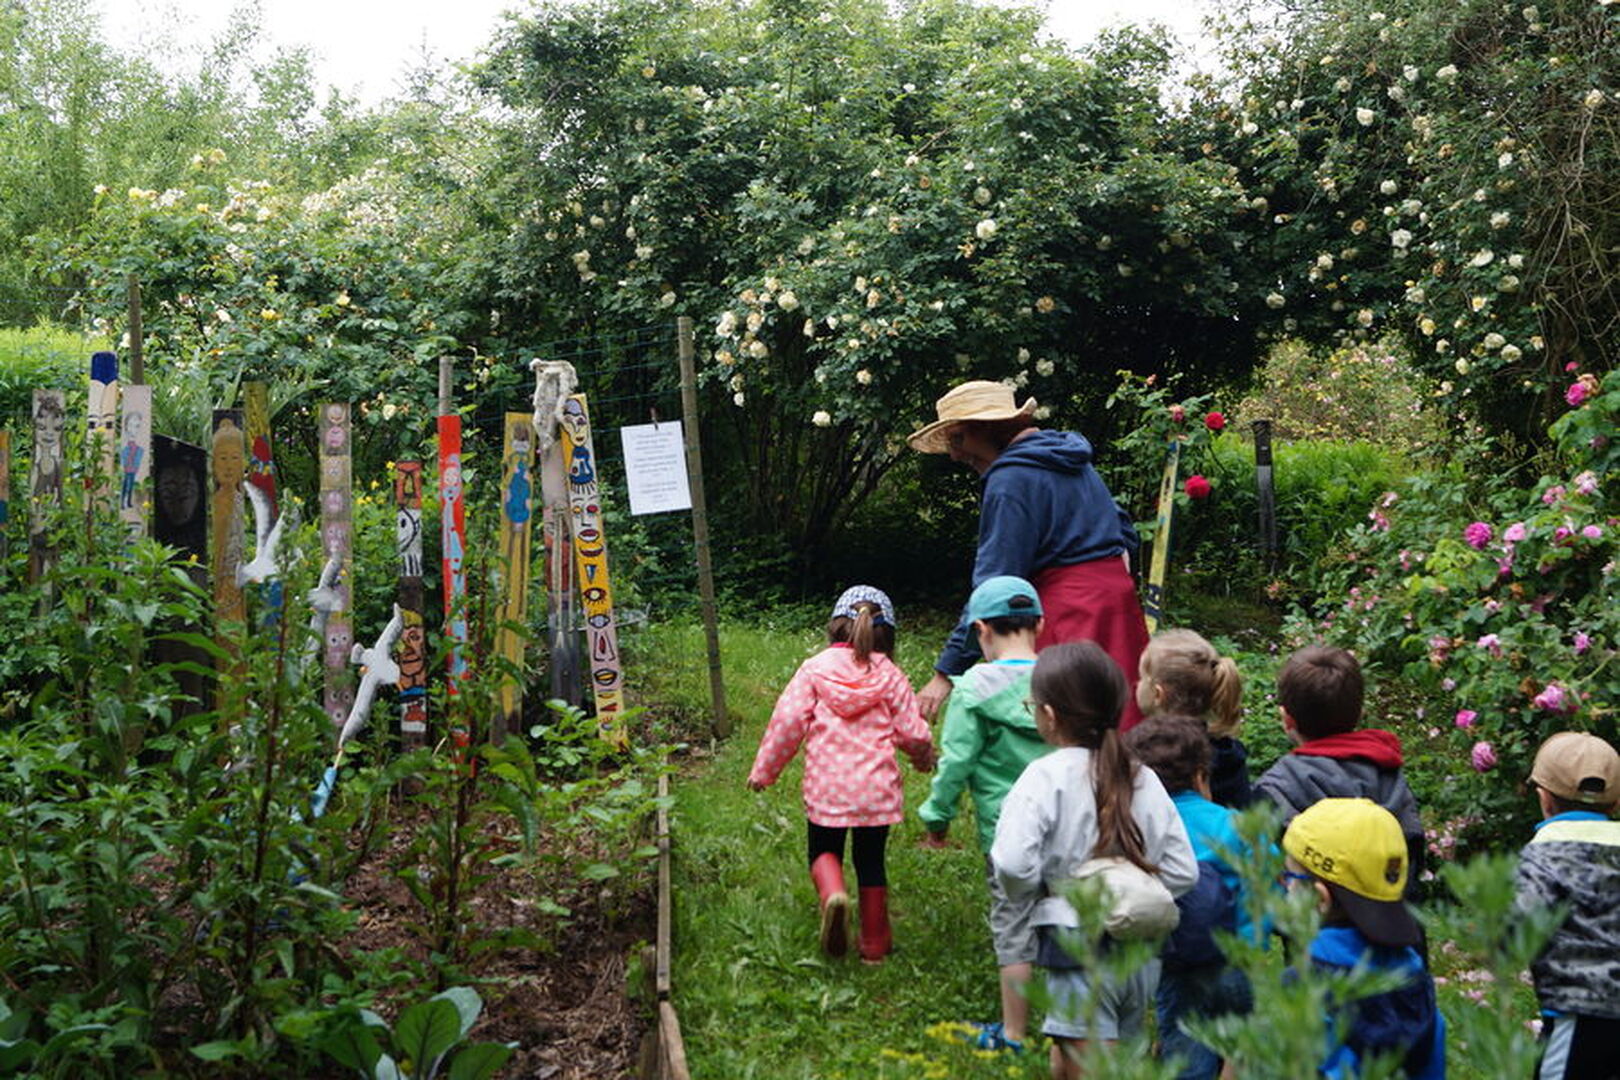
(1297, 781)
(1574, 860)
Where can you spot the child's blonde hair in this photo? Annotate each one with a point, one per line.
(1196, 680)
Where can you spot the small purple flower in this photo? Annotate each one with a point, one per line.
(1504, 566)
(1586, 483)
(1493, 605)
(1491, 644)
(1483, 757)
(1465, 718)
(1582, 642)
(1477, 535)
(1380, 523)
(1552, 699)
(1515, 532)
(1592, 532)
(1448, 685)
(1553, 494)
(1577, 394)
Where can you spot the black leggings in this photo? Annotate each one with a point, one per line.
(868, 845)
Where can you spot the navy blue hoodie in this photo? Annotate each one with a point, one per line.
(1043, 506)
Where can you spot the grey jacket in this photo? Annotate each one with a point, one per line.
(1574, 860)
(1297, 781)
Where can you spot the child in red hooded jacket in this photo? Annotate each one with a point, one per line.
(1320, 692)
(850, 706)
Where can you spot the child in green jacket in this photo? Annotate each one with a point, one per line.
(989, 736)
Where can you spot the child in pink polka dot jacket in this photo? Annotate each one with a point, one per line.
(850, 706)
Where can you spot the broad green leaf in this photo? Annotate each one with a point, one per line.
(468, 1005)
(425, 1031)
(480, 1060)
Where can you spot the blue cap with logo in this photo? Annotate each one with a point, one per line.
(1001, 596)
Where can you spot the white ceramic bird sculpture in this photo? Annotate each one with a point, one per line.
(266, 539)
(377, 668)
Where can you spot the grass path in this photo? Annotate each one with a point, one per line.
(755, 995)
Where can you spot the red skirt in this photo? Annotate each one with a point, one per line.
(1096, 601)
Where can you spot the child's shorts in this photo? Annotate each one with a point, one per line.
(1119, 1007)
(1014, 938)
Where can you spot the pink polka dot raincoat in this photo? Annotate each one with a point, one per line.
(850, 717)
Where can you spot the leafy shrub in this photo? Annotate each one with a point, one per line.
(1365, 392)
(45, 357)
(1496, 597)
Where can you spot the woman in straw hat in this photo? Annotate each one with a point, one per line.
(1046, 516)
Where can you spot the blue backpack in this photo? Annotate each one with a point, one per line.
(1208, 906)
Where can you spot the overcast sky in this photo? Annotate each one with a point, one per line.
(363, 45)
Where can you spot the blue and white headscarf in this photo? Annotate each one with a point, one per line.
(856, 595)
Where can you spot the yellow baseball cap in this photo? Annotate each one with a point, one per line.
(1357, 848)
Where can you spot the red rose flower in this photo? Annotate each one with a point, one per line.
(1196, 487)
(1214, 421)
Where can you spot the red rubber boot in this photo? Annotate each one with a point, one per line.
(876, 938)
(828, 874)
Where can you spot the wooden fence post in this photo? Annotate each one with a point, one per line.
(700, 524)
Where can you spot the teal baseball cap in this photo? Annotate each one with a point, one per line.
(1001, 596)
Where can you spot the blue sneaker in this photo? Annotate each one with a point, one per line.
(989, 1036)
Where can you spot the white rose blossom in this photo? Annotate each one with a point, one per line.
(985, 229)
(1511, 353)
(821, 418)
(863, 377)
(787, 300)
(1447, 73)
(1389, 187)
(1365, 117)
(1400, 238)
(1482, 257)
(1275, 300)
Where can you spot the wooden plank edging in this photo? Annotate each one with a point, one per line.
(671, 1055)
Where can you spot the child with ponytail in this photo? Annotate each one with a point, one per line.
(1182, 675)
(850, 706)
(1084, 804)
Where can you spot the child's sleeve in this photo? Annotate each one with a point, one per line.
(1536, 884)
(911, 732)
(1024, 821)
(961, 740)
(789, 722)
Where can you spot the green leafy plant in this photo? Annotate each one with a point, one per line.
(425, 1042)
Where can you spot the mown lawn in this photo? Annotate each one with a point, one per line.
(755, 995)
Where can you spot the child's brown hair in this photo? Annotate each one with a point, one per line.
(1321, 689)
(1086, 692)
(863, 633)
(1174, 747)
(1197, 681)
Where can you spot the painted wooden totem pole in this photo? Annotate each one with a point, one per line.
(572, 416)
(336, 469)
(517, 489)
(412, 636)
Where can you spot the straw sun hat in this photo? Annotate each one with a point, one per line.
(976, 400)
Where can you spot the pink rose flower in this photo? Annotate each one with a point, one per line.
(1515, 532)
(1553, 698)
(1592, 532)
(1491, 644)
(1576, 394)
(1483, 757)
(1553, 494)
(1477, 535)
(1465, 718)
(1582, 642)
(1586, 483)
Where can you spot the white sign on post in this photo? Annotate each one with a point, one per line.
(655, 467)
